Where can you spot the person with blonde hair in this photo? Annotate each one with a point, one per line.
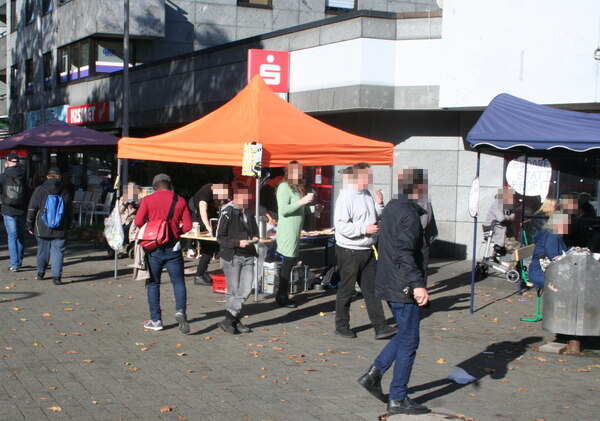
(548, 207)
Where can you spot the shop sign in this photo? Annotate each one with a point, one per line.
(91, 113)
(272, 66)
(539, 175)
(34, 118)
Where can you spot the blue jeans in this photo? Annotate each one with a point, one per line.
(401, 349)
(15, 229)
(173, 261)
(53, 250)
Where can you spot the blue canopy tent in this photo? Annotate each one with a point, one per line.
(514, 124)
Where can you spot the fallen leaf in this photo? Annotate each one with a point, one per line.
(181, 354)
(262, 376)
(495, 320)
(55, 409)
(16, 308)
(584, 370)
(441, 361)
(277, 348)
(23, 319)
(300, 361)
(489, 370)
(344, 353)
(37, 344)
(144, 349)
(522, 389)
(88, 361)
(167, 408)
(95, 402)
(190, 371)
(133, 369)
(72, 352)
(69, 309)
(542, 359)
(139, 344)
(207, 338)
(126, 363)
(178, 345)
(322, 314)
(47, 315)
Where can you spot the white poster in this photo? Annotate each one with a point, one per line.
(539, 175)
(252, 160)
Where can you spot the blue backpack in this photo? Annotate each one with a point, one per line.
(53, 211)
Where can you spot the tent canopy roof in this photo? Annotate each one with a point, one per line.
(257, 114)
(510, 122)
(58, 134)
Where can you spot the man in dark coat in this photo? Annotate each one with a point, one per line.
(51, 240)
(13, 187)
(401, 282)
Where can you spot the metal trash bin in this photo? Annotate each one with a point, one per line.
(572, 295)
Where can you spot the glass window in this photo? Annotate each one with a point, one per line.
(29, 72)
(109, 56)
(84, 57)
(14, 19)
(74, 62)
(29, 11)
(256, 3)
(48, 70)
(339, 5)
(63, 65)
(14, 81)
(47, 6)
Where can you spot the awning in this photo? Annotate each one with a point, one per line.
(510, 122)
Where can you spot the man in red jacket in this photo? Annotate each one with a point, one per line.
(157, 206)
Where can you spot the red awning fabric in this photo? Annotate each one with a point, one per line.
(257, 114)
(58, 134)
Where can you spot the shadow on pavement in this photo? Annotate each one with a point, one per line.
(493, 362)
(24, 296)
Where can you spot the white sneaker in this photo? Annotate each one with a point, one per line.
(153, 325)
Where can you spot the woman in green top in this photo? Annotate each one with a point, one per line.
(292, 204)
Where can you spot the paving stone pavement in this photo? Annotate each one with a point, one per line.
(79, 352)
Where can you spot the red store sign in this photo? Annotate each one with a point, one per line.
(91, 113)
(272, 66)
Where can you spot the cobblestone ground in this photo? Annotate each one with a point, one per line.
(79, 352)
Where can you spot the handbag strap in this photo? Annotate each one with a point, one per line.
(170, 215)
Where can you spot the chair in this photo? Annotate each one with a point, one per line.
(103, 209)
(77, 199)
(90, 206)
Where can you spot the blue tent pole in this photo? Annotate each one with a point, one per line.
(520, 283)
(474, 260)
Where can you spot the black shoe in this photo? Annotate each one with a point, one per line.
(371, 381)
(345, 332)
(205, 280)
(406, 406)
(242, 328)
(227, 324)
(181, 318)
(384, 332)
(285, 302)
(39, 276)
(56, 281)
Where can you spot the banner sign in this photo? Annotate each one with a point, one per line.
(252, 161)
(91, 113)
(539, 175)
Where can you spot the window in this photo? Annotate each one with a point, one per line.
(29, 76)
(47, 6)
(48, 70)
(14, 81)
(14, 19)
(109, 56)
(29, 11)
(267, 4)
(74, 62)
(339, 6)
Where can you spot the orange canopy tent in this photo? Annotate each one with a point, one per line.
(257, 114)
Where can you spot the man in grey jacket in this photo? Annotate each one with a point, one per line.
(356, 216)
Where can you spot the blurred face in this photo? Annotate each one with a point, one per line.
(507, 196)
(295, 173)
(559, 224)
(242, 197)
(569, 205)
(364, 178)
(220, 191)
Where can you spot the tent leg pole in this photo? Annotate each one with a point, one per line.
(257, 217)
(520, 283)
(474, 259)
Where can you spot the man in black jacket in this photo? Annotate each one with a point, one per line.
(237, 231)
(13, 187)
(51, 241)
(401, 282)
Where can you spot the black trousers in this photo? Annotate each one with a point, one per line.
(207, 249)
(284, 277)
(356, 266)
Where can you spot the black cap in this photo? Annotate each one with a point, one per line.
(54, 171)
(12, 156)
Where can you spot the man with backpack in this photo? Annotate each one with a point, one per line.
(13, 185)
(48, 216)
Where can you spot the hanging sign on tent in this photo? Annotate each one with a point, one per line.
(252, 160)
(539, 174)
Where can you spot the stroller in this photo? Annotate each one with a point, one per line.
(513, 268)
